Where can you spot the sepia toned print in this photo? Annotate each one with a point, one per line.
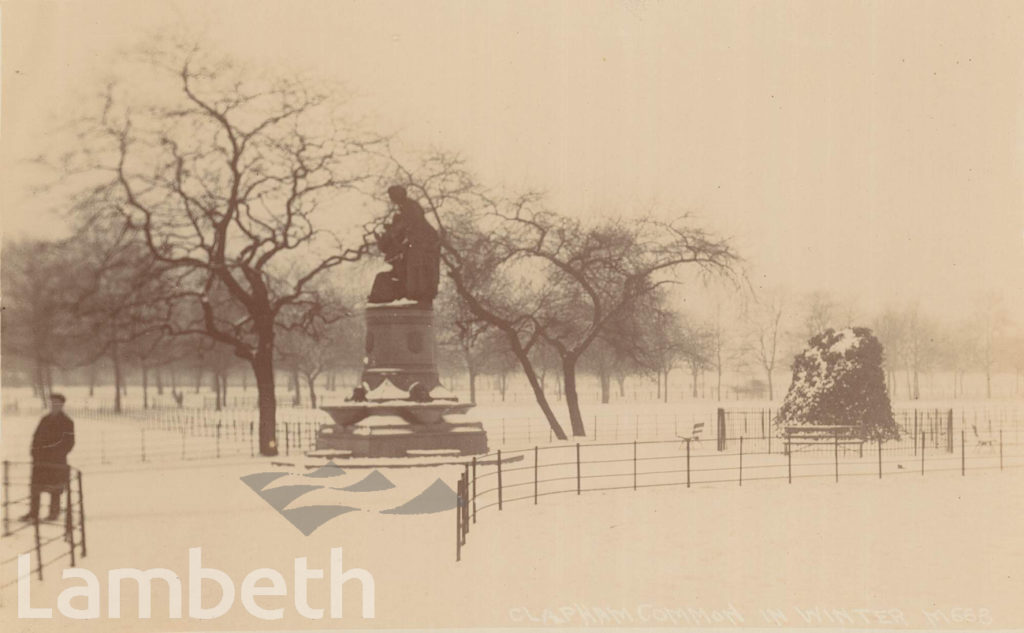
(511, 315)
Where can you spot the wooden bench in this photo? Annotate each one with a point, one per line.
(695, 433)
(982, 441)
(823, 434)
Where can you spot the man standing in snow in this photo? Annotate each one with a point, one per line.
(53, 440)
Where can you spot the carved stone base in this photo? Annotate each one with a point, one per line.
(404, 410)
(400, 347)
(390, 435)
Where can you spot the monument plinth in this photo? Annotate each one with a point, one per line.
(400, 407)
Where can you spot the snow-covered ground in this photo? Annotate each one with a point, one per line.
(863, 552)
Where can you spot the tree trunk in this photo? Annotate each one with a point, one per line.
(145, 386)
(311, 383)
(263, 370)
(502, 384)
(538, 391)
(621, 379)
(115, 358)
(472, 385)
(771, 388)
(988, 383)
(224, 387)
(92, 380)
(693, 372)
(218, 405)
(917, 386)
(297, 396)
(40, 384)
(665, 393)
(606, 384)
(159, 376)
(572, 398)
(199, 378)
(245, 381)
(658, 396)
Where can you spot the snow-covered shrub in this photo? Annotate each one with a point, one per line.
(839, 380)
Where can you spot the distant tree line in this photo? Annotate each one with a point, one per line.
(209, 238)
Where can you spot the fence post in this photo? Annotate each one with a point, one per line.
(879, 456)
(287, 440)
(499, 480)
(687, 462)
(464, 508)
(458, 523)
(6, 497)
(923, 435)
(578, 488)
(39, 549)
(741, 460)
(218, 440)
(915, 431)
(465, 501)
(949, 431)
(836, 436)
(721, 429)
(535, 455)
(474, 489)
(634, 464)
(789, 461)
(252, 448)
(963, 455)
(69, 528)
(81, 512)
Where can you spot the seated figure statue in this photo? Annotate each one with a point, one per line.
(413, 248)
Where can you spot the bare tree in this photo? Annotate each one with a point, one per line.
(323, 341)
(920, 347)
(725, 342)
(658, 339)
(581, 276)
(890, 329)
(223, 179)
(990, 323)
(465, 333)
(820, 313)
(36, 321)
(767, 332)
(700, 351)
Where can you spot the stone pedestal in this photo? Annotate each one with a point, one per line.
(400, 346)
(406, 411)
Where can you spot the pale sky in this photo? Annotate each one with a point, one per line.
(873, 149)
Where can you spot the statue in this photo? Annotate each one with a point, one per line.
(413, 249)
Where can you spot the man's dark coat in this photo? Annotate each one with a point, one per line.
(53, 440)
